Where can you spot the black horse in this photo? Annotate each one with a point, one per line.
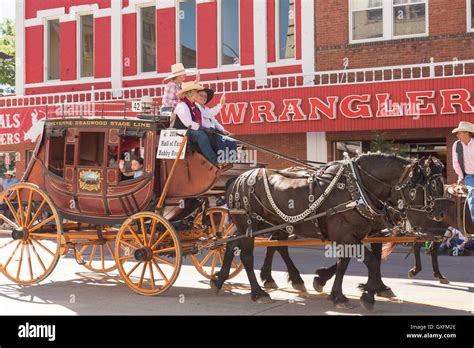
(258, 200)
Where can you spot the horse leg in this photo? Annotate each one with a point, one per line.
(257, 294)
(434, 247)
(223, 274)
(336, 296)
(417, 268)
(266, 271)
(367, 299)
(293, 274)
(323, 275)
(382, 290)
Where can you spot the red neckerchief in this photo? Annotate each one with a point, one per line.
(196, 113)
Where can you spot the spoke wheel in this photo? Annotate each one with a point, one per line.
(97, 257)
(148, 253)
(210, 261)
(30, 234)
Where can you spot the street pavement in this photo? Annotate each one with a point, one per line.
(73, 290)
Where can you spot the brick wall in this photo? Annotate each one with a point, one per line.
(288, 144)
(447, 38)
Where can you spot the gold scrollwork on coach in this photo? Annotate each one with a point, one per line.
(90, 180)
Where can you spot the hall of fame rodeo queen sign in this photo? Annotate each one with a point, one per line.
(170, 141)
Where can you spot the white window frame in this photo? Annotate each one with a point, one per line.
(46, 47)
(178, 33)
(387, 24)
(288, 61)
(78, 46)
(470, 25)
(139, 40)
(219, 37)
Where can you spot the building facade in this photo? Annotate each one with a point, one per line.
(308, 78)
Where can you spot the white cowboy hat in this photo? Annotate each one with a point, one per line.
(176, 70)
(189, 86)
(10, 172)
(464, 126)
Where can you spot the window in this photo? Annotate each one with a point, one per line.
(286, 29)
(372, 20)
(53, 50)
(367, 19)
(148, 38)
(230, 32)
(470, 15)
(69, 155)
(91, 150)
(86, 44)
(56, 155)
(187, 33)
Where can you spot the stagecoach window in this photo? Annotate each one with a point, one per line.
(367, 19)
(148, 38)
(230, 32)
(56, 155)
(409, 17)
(286, 29)
(87, 46)
(69, 155)
(53, 52)
(187, 32)
(91, 149)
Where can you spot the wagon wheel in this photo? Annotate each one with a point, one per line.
(30, 234)
(148, 253)
(221, 227)
(99, 258)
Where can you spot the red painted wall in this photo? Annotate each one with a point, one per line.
(129, 44)
(68, 51)
(165, 38)
(271, 31)
(32, 6)
(102, 47)
(34, 54)
(246, 32)
(207, 35)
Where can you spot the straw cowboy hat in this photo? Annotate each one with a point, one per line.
(464, 126)
(176, 70)
(189, 86)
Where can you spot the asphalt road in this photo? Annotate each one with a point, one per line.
(73, 290)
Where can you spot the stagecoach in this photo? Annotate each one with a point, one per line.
(73, 198)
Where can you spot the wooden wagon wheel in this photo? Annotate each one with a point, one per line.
(220, 227)
(99, 258)
(30, 234)
(148, 253)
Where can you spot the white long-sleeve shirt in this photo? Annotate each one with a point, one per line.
(182, 111)
(209, 116)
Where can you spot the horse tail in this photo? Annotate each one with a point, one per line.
(387, 249)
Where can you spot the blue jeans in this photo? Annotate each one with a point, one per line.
(228, 147)
(201, 138)
(469, 182)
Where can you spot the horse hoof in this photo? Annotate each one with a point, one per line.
(317, 285)
(367, 305)
(344, 305)
(444, 280)
(411, 274)
(270, 285)
(387, 293)
(300, 287)
(214, 287)
(264, 300)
